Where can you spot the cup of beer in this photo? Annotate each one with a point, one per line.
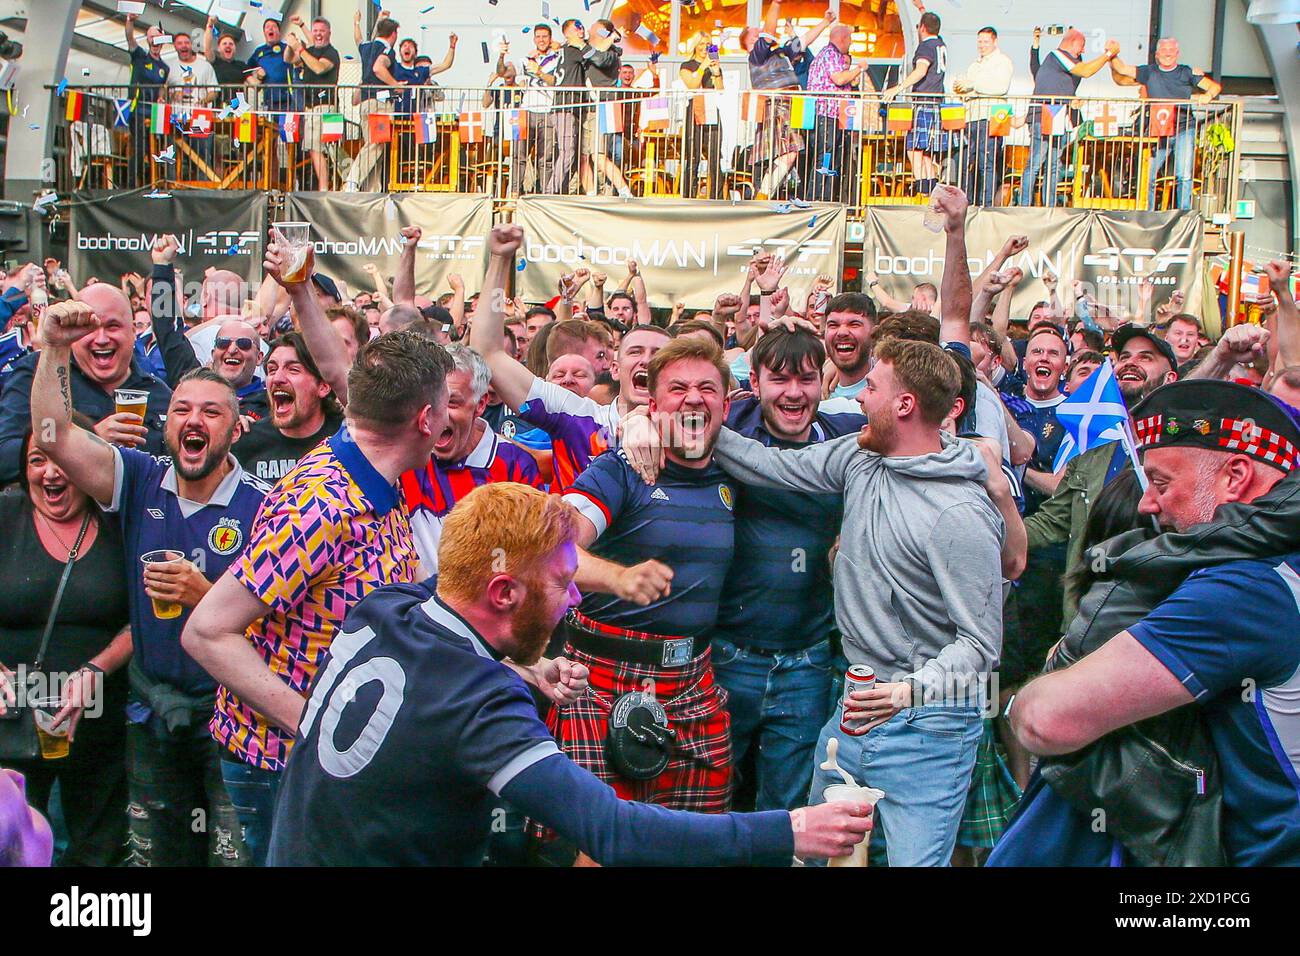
(131, 401)
(295, 239)
(53, 743)
(163, 610)
(837, 792)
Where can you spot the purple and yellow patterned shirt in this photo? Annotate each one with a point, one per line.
(329, 533)
(827, 61)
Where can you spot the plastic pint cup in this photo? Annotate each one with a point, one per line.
(131, 401)
(843, 792)
(53, 743)
(163, 610)
(296, 243)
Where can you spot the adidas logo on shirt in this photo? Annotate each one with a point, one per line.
(659, 495)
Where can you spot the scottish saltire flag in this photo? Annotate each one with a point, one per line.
(1094, 414)
(122, 113)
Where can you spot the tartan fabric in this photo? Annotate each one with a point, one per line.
(613, 630)
(1234, 434)
(1262, 443)
(1147, 430)
(698, 775)
(926, 134)
(992, 797)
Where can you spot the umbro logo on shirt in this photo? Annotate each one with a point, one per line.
(658, 495)
(155, 513)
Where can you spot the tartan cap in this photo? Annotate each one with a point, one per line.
(1221, 416)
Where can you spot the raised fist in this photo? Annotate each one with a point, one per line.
(505, 239)
(67, 322)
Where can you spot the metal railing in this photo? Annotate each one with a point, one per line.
(740, 145)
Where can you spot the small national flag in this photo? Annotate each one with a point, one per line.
(803, 112)
(200, 123)
(517, 124)
(380, 127)
(332, 126)
(290, 127)
(472, 127)
(160, 118)
(851, 115)
(1055, 120)
(1000, 119)
(1253, 286)
(1093, 414)
(74, 107)
(1105, 123)
(1164, 119)
(609, 116)
(246, 128)
(753, 106)
(952, 116)
(122, 114)
(654, 113)
(899, 119)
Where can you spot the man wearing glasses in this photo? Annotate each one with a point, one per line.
(236, 351)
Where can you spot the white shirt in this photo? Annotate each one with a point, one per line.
(197, 73)
(990, 78)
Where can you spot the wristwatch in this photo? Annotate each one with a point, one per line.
(873, 283)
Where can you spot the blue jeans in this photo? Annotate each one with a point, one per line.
(253, 791)
(1047, 150)
(922, 758)
(1183, 145)
(778, 704)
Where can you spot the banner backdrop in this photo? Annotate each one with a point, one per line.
(1109, 250)
(688, 251)
(352, 229)
(112, 234)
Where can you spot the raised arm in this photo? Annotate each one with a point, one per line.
(357, 37)
(772, 17)
(209, 49)
(1093, 66)
(447, 60)
(955, 286)
(129, 27)
(510, 377)
(323, 340)
(86, 459)
(457, 305)
(818, 29)
(637, 284)
(819, 468)
(1122, 73)
(404, 280)
(1288, 318)
(177, 353)
(886, 301)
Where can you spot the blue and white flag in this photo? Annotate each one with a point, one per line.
(1094, 414)
(122, 114)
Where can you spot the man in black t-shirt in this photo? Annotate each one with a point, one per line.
(929, 71)
(1174, 126)
(230, 71)
(317, 73)
(303, 412)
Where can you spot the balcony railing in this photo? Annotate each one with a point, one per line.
(732, 145)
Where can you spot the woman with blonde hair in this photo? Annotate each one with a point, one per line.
(703, 134)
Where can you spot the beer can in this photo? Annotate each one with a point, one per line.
(857, 677)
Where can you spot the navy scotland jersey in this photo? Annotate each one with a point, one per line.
(685, 520)
(411, 728)
(211, 534)
(778, 594)
(1231, 635)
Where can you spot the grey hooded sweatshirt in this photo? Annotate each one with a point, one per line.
(918, 578)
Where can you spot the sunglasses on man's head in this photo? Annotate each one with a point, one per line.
(243, 343)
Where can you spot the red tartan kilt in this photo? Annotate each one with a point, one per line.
(698, 775)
